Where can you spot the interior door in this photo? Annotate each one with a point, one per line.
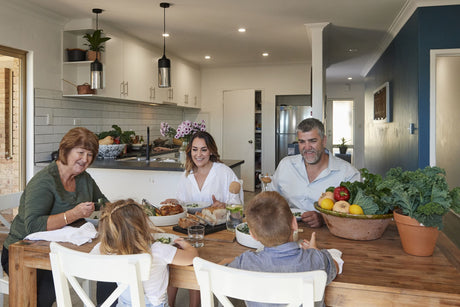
(238, 132)
(447, 107)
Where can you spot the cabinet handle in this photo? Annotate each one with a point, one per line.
(127, 88)
(186, 99)
(250, 141)
(122, 88)
(152, 92)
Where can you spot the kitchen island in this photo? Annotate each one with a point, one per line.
(128, 177)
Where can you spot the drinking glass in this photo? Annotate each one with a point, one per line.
(196, 235)
(234, 216)
(265, 180)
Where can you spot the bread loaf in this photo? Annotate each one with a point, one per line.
(108, 140)
(215, 216)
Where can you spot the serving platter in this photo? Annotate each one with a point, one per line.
(196, 206)
(207, 229)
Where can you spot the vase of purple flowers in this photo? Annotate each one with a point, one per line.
(184, 131)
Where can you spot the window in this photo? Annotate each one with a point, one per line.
(12, 123)
(342, 124)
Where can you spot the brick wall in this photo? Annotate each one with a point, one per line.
(9, 164)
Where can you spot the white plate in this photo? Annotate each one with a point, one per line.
(246, 239)
(297, 213)
(168, 220)
(196, 206)
(169, 236)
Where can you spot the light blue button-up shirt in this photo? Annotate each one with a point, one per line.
(291, 180)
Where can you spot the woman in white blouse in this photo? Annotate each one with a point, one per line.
(205, 179)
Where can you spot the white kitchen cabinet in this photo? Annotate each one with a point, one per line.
(129, 70)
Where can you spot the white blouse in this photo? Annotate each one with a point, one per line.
(216, 183)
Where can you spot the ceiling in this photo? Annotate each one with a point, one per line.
(210, 27)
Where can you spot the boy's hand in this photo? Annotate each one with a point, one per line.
(309, 244)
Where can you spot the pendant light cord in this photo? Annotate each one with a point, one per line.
(164, 30)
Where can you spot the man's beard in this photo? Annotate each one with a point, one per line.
(318, 155)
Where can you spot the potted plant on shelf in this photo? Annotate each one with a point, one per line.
(95, 42)
(343, 146)
(421, 198)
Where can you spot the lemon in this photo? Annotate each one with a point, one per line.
(356, 209)
(327, 203)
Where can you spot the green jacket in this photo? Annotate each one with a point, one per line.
(45, 195)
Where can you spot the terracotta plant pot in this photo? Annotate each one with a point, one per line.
(416, 240)
(91, 55)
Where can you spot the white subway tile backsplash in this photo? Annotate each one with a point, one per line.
(95, 115)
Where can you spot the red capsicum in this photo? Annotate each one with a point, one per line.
(341, 193)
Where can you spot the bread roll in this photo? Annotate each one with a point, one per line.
(215, 216)
(234, 187)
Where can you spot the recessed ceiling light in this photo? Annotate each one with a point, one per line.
(207, 57)
(352, 50)
(265, 54)
(165, 34)
(242, 30)
(350, 78)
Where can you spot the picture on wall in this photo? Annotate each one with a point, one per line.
(382, 107)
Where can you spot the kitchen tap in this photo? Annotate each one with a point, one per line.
(147, 150)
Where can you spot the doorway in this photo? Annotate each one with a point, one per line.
(444, 110)
(12, 123)
(339, 127)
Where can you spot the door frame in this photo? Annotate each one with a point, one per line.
(434, 53)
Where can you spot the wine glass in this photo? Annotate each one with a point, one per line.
(265, 180)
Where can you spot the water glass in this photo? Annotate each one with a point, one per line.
(234, 216)
(196, 235)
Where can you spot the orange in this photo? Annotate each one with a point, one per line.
(356, 209)
(327, 203)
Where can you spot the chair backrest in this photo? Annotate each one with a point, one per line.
(8, 201)
(277, 288)
(126, 270)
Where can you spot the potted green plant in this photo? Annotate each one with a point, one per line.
(95, 42)
(343, 146)
(421, 198)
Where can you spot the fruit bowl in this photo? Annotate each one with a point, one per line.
(110, 151)
(354, 226)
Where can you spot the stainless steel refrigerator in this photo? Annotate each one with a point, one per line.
(287, 119)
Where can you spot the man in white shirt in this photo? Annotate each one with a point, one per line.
(302, 178)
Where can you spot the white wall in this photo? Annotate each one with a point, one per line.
(355, 92)
(272, 80)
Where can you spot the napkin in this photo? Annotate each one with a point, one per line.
(77, 236)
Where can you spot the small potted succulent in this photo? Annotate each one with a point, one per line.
(95, 42)
(343, 146)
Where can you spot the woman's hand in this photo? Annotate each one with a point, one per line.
(217, 204)
(82, 210)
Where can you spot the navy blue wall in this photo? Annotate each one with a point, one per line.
(406, 65)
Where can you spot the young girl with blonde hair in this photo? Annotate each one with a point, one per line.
(124, 228)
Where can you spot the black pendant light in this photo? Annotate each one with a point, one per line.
(164, 64)
(96, 67)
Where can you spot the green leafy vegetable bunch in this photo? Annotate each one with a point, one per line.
(422, 194)
(124, 137)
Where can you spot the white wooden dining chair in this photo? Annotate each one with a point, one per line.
(7, 201)
(126, 270)
(293, 289)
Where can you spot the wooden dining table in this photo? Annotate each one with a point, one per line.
(375, 273)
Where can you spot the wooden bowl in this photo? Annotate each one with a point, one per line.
(355, 226)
